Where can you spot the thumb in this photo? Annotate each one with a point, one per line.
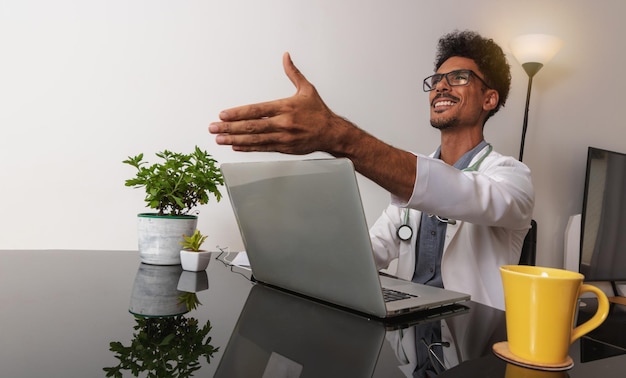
(293, 73)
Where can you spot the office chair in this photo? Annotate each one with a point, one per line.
(529, 248)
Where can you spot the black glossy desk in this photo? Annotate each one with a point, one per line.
(60, 312)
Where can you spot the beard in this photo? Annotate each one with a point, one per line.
(444, 123)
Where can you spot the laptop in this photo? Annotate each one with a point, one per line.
(304, 230)
(283, 335)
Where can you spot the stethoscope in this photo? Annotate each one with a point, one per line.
(405, 232)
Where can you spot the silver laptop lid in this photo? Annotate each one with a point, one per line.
(304, 229)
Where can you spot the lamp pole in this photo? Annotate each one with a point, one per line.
(531, 69)
(532, 51)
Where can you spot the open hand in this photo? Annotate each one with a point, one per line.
(299, 124)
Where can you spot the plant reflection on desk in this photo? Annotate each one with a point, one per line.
(165, 343)
(189, 300)
(163, 347)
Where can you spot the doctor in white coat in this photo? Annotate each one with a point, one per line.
(492, 204)
(476, 203)
(488, 212)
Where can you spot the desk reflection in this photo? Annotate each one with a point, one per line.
(165, 343)
(430, 349)
(280, 334)
(60, 317)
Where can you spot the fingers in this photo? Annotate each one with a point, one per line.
(248, 127)
(235, 135)
(238, 141)
(288, 125)
(252, 111)
(270, 108)
(262, 142)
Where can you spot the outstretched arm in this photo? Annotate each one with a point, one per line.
(303, 124)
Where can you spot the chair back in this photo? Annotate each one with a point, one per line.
(529, 248)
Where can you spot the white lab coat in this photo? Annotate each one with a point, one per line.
(493, 209)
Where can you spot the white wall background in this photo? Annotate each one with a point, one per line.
(84, 84)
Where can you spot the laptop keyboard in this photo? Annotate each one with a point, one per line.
(393, 295)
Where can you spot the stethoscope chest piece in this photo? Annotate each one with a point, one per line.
(405, 232)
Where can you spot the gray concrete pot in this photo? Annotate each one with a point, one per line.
(159, 237)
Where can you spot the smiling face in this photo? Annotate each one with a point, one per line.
(460, 106)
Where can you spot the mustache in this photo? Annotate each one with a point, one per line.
(444, 95)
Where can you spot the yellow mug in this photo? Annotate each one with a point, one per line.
(540, 306)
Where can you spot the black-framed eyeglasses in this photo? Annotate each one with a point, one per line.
(454, 78)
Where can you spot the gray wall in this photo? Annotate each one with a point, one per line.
(84, 84)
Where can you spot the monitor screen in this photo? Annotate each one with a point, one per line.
(603, 231)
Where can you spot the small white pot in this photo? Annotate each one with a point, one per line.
(195, 261)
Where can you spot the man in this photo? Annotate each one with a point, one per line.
(470, 207)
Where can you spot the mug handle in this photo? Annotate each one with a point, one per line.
(601, 313)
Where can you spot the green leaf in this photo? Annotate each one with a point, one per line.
(167, 339)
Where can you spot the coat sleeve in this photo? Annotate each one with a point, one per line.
(499, 194)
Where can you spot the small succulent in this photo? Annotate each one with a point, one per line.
(193, 242)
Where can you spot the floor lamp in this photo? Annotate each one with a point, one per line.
(533, 51)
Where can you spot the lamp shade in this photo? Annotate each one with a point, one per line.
(535, 48)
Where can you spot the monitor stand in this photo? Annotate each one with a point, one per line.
(617, 299)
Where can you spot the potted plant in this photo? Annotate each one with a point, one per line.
(192, 257)
(174, 187)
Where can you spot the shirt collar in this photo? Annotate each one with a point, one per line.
(465, 160)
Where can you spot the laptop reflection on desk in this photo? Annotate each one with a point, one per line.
(279, 334)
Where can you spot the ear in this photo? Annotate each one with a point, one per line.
(491, 100)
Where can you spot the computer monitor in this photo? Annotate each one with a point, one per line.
(603, 224)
